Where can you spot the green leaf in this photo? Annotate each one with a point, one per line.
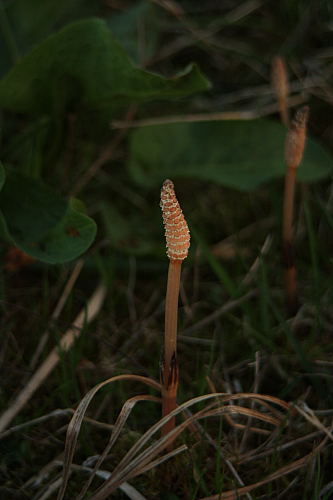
(97, 69)
(26, 23)
(39, 222)
(237, 154)
(2, 176)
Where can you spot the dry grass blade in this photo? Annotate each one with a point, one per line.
(256, 264)
(311, 417)
(86, 316)
(52, 488)
(162, 459)
(44, 473)
(287, 469)
(227, 307)
(39, 420)
(182, 408)
(141, 464)
(259, 397)
(251, 114)
(132, 465)
(124, 414)
(76, 422)
(126, 488)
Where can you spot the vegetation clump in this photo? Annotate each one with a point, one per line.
(100, 103)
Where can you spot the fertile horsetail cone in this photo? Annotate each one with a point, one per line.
(295, 139)
(177, 233)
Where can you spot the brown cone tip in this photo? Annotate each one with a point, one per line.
(177, 233)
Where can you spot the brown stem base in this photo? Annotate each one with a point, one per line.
(169, 381)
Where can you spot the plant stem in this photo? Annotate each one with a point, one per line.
(177, 238)
(288, 259)
(171, 311)
(170, 378)
(293, 152)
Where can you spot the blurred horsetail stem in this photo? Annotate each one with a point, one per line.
(293, 152)
(178, 242)
(280, 84)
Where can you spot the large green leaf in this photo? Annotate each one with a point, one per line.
(85, 56)
(237, 154)
(24, 23)
(39, 222)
